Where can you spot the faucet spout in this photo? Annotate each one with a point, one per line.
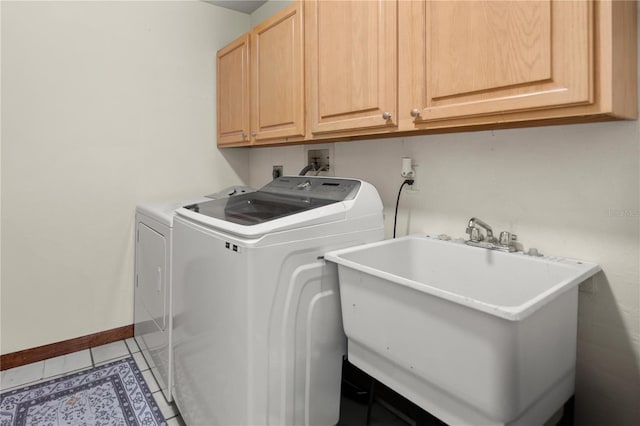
(474, 223)
(507, 241)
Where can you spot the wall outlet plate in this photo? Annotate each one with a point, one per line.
(414, 187)
(277, 172)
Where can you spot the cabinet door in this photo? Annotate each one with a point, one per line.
(233, 93)
(277, 76)
(352, 60)
(478, 58)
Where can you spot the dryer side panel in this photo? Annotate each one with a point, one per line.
(151, 279)
(151, 312)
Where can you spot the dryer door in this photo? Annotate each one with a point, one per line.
(151, 274)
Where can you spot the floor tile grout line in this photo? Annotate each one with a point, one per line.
(93, 363)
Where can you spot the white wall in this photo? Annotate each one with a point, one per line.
(567, 190)
(104, 105)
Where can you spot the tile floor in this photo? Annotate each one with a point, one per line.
(351, 413)
(66, 364)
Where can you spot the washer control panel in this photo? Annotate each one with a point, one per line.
(334, 189)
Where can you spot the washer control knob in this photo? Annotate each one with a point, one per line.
(306, 185)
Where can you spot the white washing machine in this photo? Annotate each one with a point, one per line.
(258, 337)
(152, 309)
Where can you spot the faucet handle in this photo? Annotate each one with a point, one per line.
(474, 234)
(507, 238)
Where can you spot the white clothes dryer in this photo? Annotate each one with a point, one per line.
(152, 292)
(258, 337)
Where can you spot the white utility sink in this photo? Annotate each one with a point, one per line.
(474, 336)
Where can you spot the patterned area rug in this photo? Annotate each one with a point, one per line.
(112, 394)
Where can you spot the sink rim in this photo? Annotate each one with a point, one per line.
(583, 269)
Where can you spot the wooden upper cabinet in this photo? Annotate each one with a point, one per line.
(493, 62)
(277, 77)
(486, 57)
(351, 52)
(260, 83)
(370, 67)
(232, 66)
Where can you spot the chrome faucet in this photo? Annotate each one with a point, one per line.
(507, 241)
(475, 234)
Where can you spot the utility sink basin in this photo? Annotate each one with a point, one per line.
(474, 336)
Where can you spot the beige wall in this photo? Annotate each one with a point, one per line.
(0, 176)
(104, 105)
(567, 190)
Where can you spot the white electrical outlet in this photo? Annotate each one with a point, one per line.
(407, 168)
(409, 171)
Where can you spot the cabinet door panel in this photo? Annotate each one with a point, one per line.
(487, 57)
(278, 77)
(492, 44)
(233, 92)
(352, 54)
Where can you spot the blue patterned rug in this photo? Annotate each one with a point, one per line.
(112, 394)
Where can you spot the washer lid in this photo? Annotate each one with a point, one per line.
(285, 203)
(256, 208)
(282, 197)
